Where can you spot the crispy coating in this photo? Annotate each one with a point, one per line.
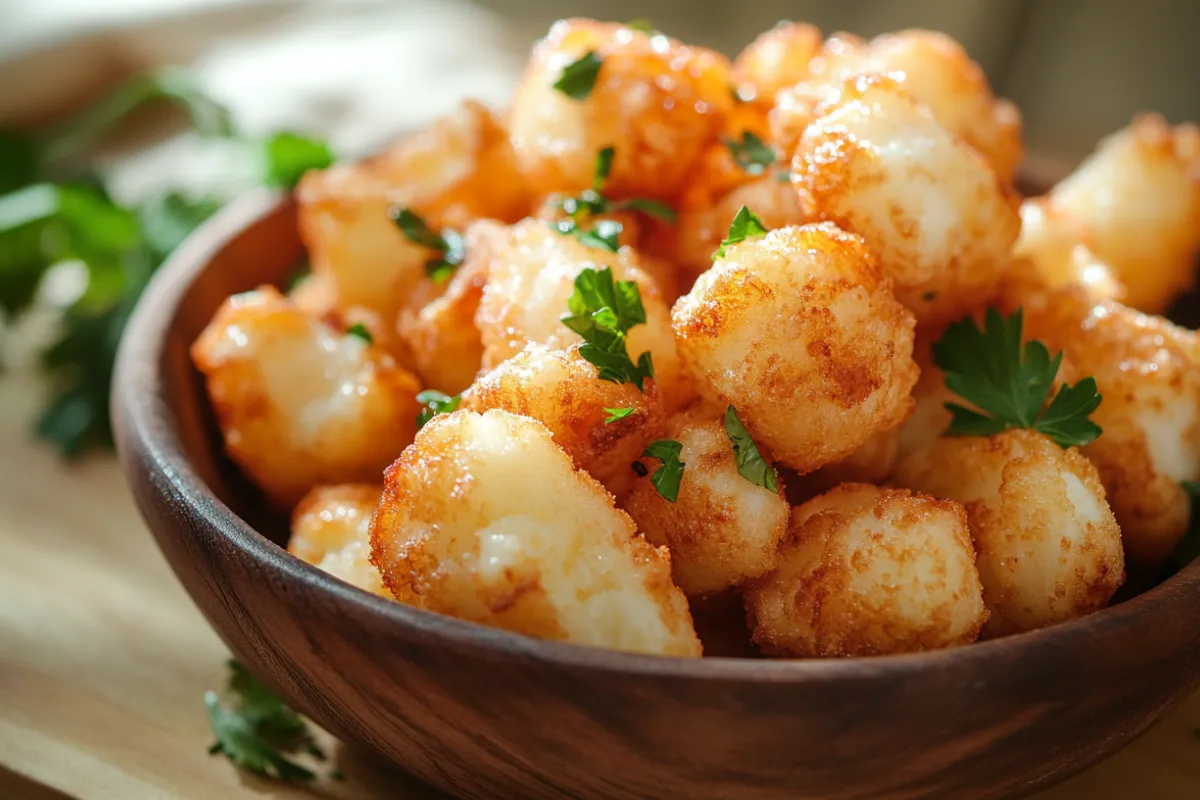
(867, 571)
(934, 70)
(1135, 202)
(1049, 256)
(531, 276)
(441, 334)
(799, 330)
(486, 519)
(873, 462)
(777, 59)
(937, 72)
(722, 529)
(299, 402)
(460, 168)
(564, 392)
(1148, 372)
(656, 101)
(1049, 547)
(331, 529)
(877, 163)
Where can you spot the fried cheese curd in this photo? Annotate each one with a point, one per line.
(722, 530)
(486, 519)
(458, 169)
(446, 346)
(564, 392)
(1049, 549)
(655, 101)
(877, 163)
(778, 59)
(867, 571)
(531, 276)
(934, 70)
(799, 330)
(1148, 372)
(1135, 203)
(331, 529)
(300, 402)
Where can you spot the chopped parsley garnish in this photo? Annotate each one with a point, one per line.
(360, 330)
(604, 235)
(745, 225)
(602, 312)
(752, 154)
(449, 244)
(591, 202)
(1009, 383)
(433, 403)
(750, 463)
(666, 478)
(578, 77)
(258, 731)
(615, 414)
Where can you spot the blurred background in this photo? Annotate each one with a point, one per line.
(356, 69)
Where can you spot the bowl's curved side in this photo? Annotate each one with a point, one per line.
(483, 713)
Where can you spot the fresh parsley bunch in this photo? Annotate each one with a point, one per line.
(53, 212)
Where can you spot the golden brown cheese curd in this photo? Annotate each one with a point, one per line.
(722, 530)
(331, 529)
(486, 519)
(877, 163)
(867, 571)
(656, 101)
(873, 462)
(459, 169)
(531, 277)
(1049, 547)
(301, 403)
(1135, 203)
(1148, 372)
(799, 330)
(446, 346)
(563, 391)
(778, 59)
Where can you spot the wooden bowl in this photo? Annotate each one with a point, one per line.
(484, 713)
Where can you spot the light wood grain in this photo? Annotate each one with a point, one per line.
(103, 659)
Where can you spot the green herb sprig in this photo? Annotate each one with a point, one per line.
(751, 153)
(602, 311)
(53, 211)
(449, 243)
(1010, 382)
(359, 330)
(578, 77)
(666, 478)
(432, 403)
(750, 462)
(746, 225)
(257, 731)
(592, 202)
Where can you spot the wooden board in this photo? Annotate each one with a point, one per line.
(104, 660)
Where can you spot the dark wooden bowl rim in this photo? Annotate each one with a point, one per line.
(146, 426)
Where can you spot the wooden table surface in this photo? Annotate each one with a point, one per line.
(104, 660)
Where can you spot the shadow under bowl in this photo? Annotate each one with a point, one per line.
(484, 713)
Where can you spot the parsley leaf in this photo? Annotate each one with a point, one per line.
(643, 25)
(450, 244)
(578, 77)
(652, 207)
(289, 155)
(260, 731)
(750, 463)
(360, 330)
(604, 161)
(433, 403)
(602, 312)
(752, 154)
(1009, 382)
(591, 202)
(604, 235)
(745, 225)
(615, 414)
(666, 478)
